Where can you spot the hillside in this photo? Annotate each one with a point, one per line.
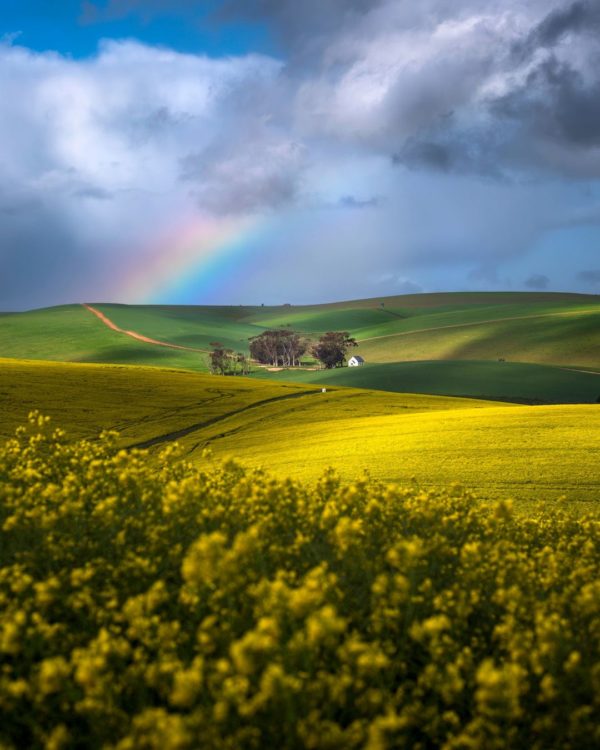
(293, 429)
(509, 381)
(145, 403)
(560, 331)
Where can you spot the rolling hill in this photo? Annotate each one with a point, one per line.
(296, 430)
(560, 333)
(508, 381)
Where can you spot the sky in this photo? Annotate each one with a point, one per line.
(276, 151)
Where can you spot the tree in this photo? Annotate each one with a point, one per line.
(242, 361)
(331, 348)
(222, 361)
(279, 347)
(227, 362)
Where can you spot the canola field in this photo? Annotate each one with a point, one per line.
(294, 430)
(152, 603)
(521, 452)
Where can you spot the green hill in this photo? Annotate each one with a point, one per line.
(509, 381)
(476, 328)
(546, 334)
(70, 333)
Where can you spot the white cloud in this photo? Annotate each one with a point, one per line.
(98, 144)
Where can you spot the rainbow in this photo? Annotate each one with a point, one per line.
(202, 258)
(186, 260)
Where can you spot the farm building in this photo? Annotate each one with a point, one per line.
(356, 361)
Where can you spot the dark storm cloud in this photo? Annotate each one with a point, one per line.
(555, 102)
(534, 103)
(582, 16)
(590, 277)
(537, 281)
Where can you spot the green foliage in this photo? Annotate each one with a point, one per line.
(332, 347)
(278, 346)
(176, 608)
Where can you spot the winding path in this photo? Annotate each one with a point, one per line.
(138, 336)
(147, 340)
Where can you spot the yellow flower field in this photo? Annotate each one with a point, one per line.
(149, 604)
(501, 451)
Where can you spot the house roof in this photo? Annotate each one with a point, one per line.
(357, 357)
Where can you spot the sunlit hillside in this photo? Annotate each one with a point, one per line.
(297, 430)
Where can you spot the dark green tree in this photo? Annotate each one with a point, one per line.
(280, 347)
(331, 348)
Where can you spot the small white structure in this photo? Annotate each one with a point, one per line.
(356, 361)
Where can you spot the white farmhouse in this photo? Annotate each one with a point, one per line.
(356, 361)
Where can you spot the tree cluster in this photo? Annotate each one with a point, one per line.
(282, 347)
(332, 347)
(279, 347)
(227, 362)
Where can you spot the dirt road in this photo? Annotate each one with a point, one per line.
(138, 336)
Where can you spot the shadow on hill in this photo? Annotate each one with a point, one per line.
(560, 341)
(132, 355)
(509, 381)
(393, 313)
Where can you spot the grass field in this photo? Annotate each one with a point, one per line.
(526, 327)
(295, 429)
(72, 334)
(446, 344)
(547, 335)
(510, 381)
(561, 330)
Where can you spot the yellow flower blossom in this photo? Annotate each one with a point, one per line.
(147, 603)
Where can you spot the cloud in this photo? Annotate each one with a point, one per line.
(579, 17)
(237, 179)
(91, 156)
(468, 88)
(350, 201)
(556, 109)
(589, 277)
(537, 281)
(478, 122)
